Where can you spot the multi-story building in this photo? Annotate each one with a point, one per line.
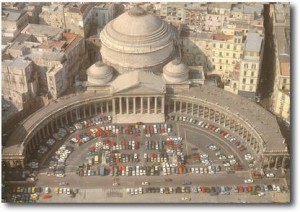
(226, 52)
(250, 66)
(281, 93)
(53, 15)
(50, 48)
(195, 16)
(103, 13)
(219, 8)
(247, 12)
(78, 18)
(173, 12)
(19, 82)
(13, 21)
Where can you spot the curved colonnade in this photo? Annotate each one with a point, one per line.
(92, 105)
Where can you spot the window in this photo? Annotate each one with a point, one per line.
(234, 48)
(251, 81)
(96, 14)
(220, 54)
(214, 45)
(245, 73)
(226, 61)
(252, 74)
(244, 80)
(233, 55)
(251, 88)
(221, 46)
(246, 65)
(227, 54)
(253, 66)
(221, 67)
(220, 61)
(228, 46)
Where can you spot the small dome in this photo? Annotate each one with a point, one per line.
(176, 72)
(99, 73)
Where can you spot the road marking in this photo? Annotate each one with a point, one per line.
(197, 132)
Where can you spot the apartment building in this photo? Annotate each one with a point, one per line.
(281, 92)
(13, 21)
(250, 66)
(226, 52)
(19, 82)
(173, 12)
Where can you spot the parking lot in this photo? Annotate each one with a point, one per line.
(184, 156)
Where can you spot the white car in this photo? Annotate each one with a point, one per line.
(47, 190)
(186, 199)
(248, 181)
(261, 194)
(145, 183)
(270, 175)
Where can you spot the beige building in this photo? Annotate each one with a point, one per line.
(78, 18)
(53, 15)
(226, 53)
(19, 82)
(13, 21)
(51, 48)
(281, 94)
(173, 12)
(251, 66)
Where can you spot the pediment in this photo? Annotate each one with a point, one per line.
(139, 90)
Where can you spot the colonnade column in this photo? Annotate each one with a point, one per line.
(95, 107)
(174, 106)
(276, 163)
(90, 110)
(163, 105)
(269, 162)
(142, 105)
(127, 105)
(107, 107)
(120, 105)
(155, 105)
(148, 101)
(114, 106)
(134, 105)
(180, 107)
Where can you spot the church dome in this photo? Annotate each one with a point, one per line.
(137, 40)
(175, 72)
(99, 73)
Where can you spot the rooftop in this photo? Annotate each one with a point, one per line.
(222, 37)
(18, 63)
(138, 78)
(40, 30)
(253, 42)
(11, 15)
(285, 69)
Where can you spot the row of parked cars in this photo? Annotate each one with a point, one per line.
(259, 190)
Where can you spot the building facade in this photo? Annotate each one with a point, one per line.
(251, 66)
(19, 82)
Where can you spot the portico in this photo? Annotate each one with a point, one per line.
(138, 98)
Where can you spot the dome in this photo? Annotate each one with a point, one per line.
(99, 73)
(176, 72)
(137, 40)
